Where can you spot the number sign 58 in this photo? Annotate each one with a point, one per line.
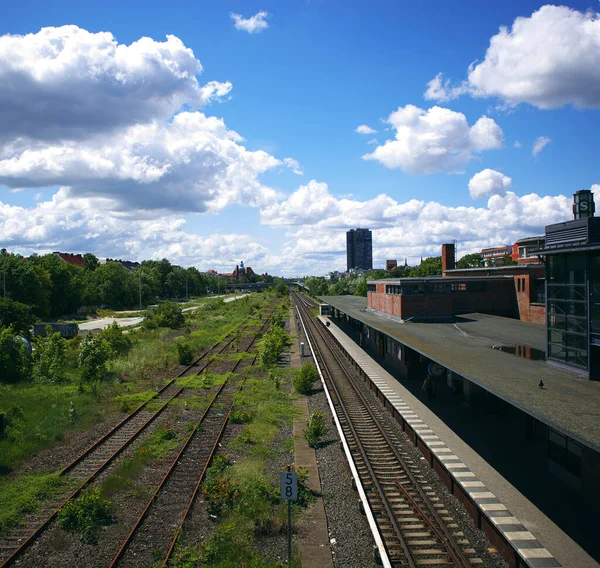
(288, 481)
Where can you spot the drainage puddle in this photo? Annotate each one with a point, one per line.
(523, 351)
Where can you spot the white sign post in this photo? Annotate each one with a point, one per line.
(288, 484)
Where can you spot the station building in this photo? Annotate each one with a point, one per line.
(489, 336)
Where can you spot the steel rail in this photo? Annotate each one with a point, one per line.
(392, 517)
(375, 529)
(175, 462)
(446, 539)
(44, 524)
(441, 532)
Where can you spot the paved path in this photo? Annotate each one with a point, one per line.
(105, 322)
(128, 322)
(312, 538)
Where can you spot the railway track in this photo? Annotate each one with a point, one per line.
(95, 459)
(415, 527)
(153, 538)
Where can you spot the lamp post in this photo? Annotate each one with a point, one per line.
(140, 280)
(4, 269)
(187, 298)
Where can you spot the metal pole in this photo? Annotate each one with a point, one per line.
(187, 298)
(140, 275)
(289, 526)
(4, 267)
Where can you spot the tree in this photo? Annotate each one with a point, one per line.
(28, 283)
(14, 364)
(165, 315)
(17, 315)
(474, 260)
(508, 261)
(317, 285)
(281, 288)
(90, 261)
(93, 356)
(431, 266)
(50, 358)
(117, 341)
(65, 291)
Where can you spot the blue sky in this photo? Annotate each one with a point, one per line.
(299, 89)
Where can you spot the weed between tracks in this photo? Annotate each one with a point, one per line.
(242, 492)
(19, 499)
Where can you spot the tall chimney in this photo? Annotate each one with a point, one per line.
(583, 204)
(447, 257)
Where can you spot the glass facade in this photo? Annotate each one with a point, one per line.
(567, 315)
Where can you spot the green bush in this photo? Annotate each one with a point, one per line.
(16, 314)
(185, 354)
(86, 515)
(315, 429)
(304, 379)
(272, 345)
(50, 358)
(220, 492)
(118, 342)
(14, 362)
(93, 355)
(168, 314)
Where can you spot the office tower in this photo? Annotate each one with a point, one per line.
(359, 249)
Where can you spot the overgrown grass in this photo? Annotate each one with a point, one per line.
(24, 495)
(45, 414)
(157, 446)
(203, 381)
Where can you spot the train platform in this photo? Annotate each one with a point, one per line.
(469, 346)
(532, 536)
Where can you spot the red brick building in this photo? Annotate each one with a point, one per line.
(517, 291)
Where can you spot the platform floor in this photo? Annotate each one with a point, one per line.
(568, 403)
(536, 537)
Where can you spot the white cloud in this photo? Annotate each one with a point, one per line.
(294, 165)
(364, 129)
(434, 140)
(89, 225)
(316, 222)
(252, 25)
(193, 163)
(518, 144)
(549, 60)
(373, 141)
(487, 183)
(68, 83)
(540, 143)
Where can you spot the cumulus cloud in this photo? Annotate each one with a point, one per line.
(518, 144)
(435, 140)
(193, 163)
(487, 183)
(253, 24)
(316, 220)
(88, 225)
(549, 60)
(540, 143)
(294, 165)
(364, 129)
(68, 83)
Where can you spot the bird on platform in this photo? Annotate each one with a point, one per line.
(541, 385)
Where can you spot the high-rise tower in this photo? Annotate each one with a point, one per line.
(359, 249)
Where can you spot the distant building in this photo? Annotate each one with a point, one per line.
(127, 264)
(359, 249)
(524, 250)
(494, 256)
(390, 265)
(73, 259)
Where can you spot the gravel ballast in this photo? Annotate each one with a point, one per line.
(341, 502)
